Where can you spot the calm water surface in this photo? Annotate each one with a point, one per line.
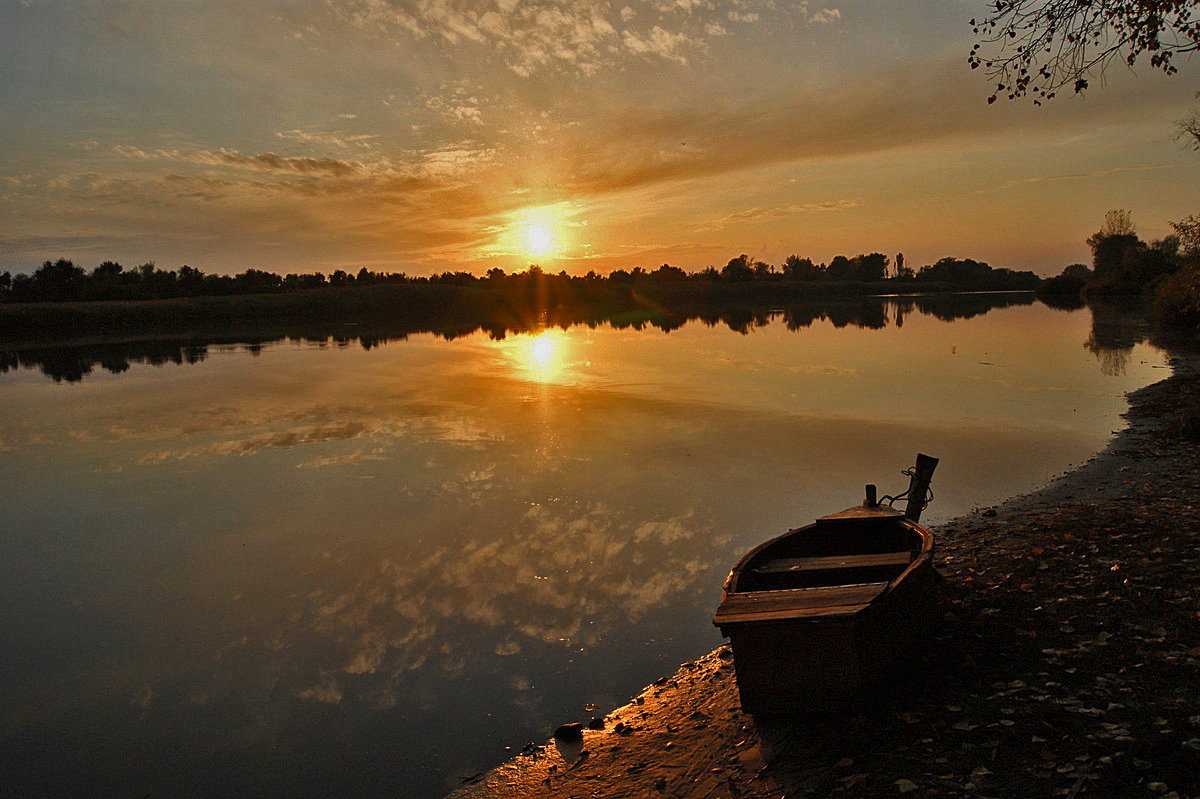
(333, 570)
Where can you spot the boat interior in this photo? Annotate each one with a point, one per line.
(834, 551)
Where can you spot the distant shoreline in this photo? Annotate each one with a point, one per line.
(432, 307)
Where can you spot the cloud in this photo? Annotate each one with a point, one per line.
(825, 16)
(903, 110)
(458, 106)
(575, 35)
(330, 139)
(1099, 173)
(433, 168)
(265, 162)
(758, 214)
(660, 42)
(270, 162)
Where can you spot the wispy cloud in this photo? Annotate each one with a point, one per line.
(781, 212)
(330, 139)
(1099, 173)
(265, 162)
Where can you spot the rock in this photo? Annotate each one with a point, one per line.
(569, 732)
(596, 724)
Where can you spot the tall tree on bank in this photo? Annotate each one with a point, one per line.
(1033, 48)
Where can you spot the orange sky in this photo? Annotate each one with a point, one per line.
(426, 135)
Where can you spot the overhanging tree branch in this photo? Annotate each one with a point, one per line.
(1039, 46)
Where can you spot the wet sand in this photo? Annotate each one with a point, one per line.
(1067, 661)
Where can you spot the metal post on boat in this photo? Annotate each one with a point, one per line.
(918, 486)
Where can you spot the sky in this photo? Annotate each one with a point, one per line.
(432, 135)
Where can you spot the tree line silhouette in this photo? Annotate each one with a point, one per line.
(64, 281)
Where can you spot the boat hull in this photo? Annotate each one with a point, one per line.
(822, 618)
(831, 663)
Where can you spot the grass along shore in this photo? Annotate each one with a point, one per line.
(1067, 662)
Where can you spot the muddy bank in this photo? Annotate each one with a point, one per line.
(1067, 662)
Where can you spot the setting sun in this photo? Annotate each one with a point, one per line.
(538, 239)
(537, 233)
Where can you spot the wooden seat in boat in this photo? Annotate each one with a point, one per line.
(783, 565)
(797, 603)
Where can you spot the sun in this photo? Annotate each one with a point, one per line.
(538, 239)
(538, 232)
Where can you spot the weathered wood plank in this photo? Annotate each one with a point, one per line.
(796, 603)
(783, 565)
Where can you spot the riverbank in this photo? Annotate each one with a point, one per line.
(1067, 662)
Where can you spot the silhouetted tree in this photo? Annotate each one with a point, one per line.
(797, 268)
(1076, 272)
(738, 269)
(1067, 283)
(1123, 263)
(256, 281)
(668, 274)
(108, 270)
(1188, 231)
(871, 267)
(1189, 127)
(1109, 245)
(1043, 45)
(58, 281)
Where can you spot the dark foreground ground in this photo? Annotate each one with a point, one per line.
(1067, 663)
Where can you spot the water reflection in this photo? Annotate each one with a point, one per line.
(1116, 329)
(72, 362)
(543, 356)
(364, 570)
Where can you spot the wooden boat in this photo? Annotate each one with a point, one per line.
(819, 617)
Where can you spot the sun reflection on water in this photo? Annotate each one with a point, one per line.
(542, 356)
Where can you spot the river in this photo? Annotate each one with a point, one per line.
(345, 564)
